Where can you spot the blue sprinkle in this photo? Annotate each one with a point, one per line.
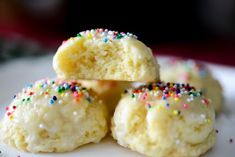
(105, 40)
(51, 102)
(30, 85)
(66, 86)
(163, 98)
(167, 104)
(44, 85)
(77, 88)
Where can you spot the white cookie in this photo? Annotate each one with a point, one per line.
(195, 73)
(161, 120)
(105, 55)
(53, 116)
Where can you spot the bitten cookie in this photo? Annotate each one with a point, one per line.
(108, 91)
(53, 116)
(161, 120)
(99, 54)
(195, 73)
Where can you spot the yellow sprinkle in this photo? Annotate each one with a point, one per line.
(208, 120)
(89, 36)
(11, 117)
(176, 99)
(62, 94)
(175, 112)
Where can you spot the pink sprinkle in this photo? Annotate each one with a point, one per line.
(185, 106)
(64, 41)
(205, 101)
(8, 113)
(75, 94)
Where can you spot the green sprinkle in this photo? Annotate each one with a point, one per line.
(133, 95)
(79, 35)
(119, 36)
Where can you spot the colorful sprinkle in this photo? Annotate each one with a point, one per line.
(164, 91)
(167, 105)
(104, 34)
(231, 140)
(185, 106)
(52, 91)
(176, 112)
(51, 102)
(54, 98)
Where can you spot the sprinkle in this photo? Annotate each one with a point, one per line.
(60, 102)
(176, 99)
(231, 140)
(75, 113)
(105, 40)
(203, 116)
(205, 101)
(163, 98)
(185, 106)
(105, 34)
(51, 102)
(167, 105)
(177, 142)
(133, 95)
(79, 35)
(89, 99)
(54, 98)
(208, 120)
(8, 113)
(148, 105)
(41, 126)
(217, 131)
(176, 112)
(14, 107)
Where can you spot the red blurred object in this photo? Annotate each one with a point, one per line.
(220, 52)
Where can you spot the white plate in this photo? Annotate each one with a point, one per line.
(15, 74)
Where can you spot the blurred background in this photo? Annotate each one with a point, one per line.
(199, 29)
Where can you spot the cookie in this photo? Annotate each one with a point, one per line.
(197, 74)
(99, 54)
(53, 116)
(165, 119)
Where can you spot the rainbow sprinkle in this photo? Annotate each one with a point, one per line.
(54, 91)
(163, 91)
(104, 34)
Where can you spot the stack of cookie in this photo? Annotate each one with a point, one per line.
(157, 119)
